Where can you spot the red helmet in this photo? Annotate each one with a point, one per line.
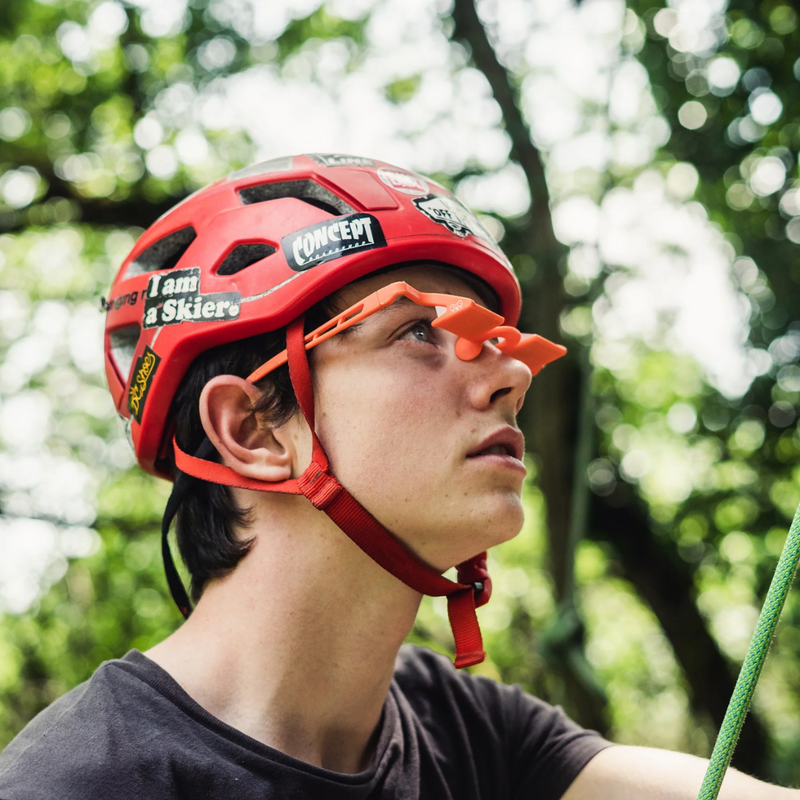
(250, 254)
(253, 251)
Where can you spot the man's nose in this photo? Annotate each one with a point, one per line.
(498, 379)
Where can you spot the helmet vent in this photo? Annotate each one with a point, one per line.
(163, 254)
(242, 256)
(307, 191)
(123, 347)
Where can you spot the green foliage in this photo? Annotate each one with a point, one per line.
(402, 90)
(105, 605)
(731, 104)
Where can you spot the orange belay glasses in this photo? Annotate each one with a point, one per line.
(471, 322)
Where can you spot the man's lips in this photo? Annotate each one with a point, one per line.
(507, 441)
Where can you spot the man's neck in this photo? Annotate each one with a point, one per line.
(296, 647)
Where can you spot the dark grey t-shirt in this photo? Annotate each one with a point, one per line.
(132, 733)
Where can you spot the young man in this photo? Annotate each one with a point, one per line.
(320, 351)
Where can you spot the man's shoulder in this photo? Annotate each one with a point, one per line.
(541, 748)
(440, 695)
(422, 674)
(65, 749)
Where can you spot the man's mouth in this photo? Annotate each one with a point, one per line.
(496, 450)
(507, 441)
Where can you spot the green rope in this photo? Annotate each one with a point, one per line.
(753, 663)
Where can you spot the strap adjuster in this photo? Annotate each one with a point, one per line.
(320, 487)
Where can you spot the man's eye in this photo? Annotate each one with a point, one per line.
(419, 332)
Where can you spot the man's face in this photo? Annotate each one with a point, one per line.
(408, 426)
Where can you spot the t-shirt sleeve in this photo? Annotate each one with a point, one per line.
(547, 748)
(523, 746)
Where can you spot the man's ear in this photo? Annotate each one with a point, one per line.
(248, 446)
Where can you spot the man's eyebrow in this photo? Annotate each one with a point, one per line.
(401, 301)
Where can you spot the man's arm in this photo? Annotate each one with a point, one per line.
(643, 773)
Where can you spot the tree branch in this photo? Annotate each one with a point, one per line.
(132, 210)
(470, 30)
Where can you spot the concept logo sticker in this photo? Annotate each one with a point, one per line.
(332, 239)
(338, 160)
(146, 366)
(449, 212)
(175, 297)
(403, 181)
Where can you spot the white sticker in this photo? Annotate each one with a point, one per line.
(447, 211)
(403, 181)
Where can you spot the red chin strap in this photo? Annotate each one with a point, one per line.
(327, 494)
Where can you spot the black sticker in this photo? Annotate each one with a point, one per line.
(332, 239)
(146, 366)
(115, 303)
(174, 297)
(338, 160)
(455, 217)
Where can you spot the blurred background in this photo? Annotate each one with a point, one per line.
(638, 164)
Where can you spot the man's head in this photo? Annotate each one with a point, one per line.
(253, 251)
(414, 416)
(380, 424)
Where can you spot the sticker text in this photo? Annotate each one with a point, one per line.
(403, 181)
(338, 160)
(332, 239)
(115, 303)
(146, 366)
(175, 297)
(447, 211)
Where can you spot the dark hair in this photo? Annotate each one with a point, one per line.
(208, 517)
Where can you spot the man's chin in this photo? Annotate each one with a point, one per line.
(500, 527)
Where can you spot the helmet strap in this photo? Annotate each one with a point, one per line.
(183, 481)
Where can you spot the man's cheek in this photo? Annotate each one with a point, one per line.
(424, 403)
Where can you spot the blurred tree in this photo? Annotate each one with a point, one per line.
(99, 136)
(726, 80)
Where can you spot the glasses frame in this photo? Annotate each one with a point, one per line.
(471, 322)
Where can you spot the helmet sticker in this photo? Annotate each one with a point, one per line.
(403, 181)
(115, 303)
(447, 211)
(175, 297)
(332, 239)
(146, 366)
(337, 160)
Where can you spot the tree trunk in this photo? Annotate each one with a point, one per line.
(551, 410)
(666, 583)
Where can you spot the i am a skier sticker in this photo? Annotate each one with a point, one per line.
(175, 297)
